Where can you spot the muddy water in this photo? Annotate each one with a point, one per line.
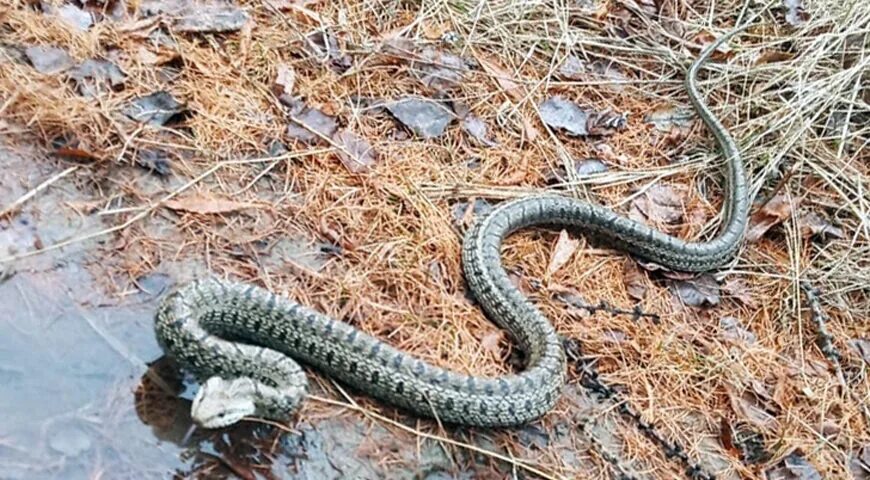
(86, 393)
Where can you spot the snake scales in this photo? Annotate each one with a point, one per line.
(240, 338)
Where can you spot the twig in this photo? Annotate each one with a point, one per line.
(12, 207)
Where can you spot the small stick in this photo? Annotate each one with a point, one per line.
(9, 210)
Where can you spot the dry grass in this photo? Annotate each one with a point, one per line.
(399, 276)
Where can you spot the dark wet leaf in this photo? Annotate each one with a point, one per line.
(859, 463)
(634, 280)
(48, 60)
(666, 119)
(572, 68)
(75, 17)
(794, 12)
(606, 122)
(205, 204)
(464, 213)
(155, 109)
(324, 47)
(861, 346)
(793, 467)
(733, 330)
(697, 292)
(358, 155)
(425, 118)
(772, 213)
(209, 17)
(475, 127)
(156, 161)
(658, 204)
(93, 76)
(562, 114)
(812, 224)
(313, 119)
(582, 168)
(438, 69)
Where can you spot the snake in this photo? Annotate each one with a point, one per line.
(244, 343)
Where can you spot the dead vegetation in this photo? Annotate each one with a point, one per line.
(336, 152)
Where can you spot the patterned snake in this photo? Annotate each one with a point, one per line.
(239, 338)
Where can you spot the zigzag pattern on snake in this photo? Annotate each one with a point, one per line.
(244, 341)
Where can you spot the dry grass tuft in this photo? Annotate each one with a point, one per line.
(796, 98)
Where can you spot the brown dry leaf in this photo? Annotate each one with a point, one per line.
(704, 39)
(357, 155)
(772, 213)
(633, 279)
(773, 56)
(503, 77)
(206, 204)
(285, 80)
(739, 290)
(749, 408)
(565, 248)
(491, 342)
(659, 204)
(813, 224)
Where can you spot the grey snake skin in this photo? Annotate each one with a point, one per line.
(229, 330)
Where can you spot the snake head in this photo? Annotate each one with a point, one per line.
(220, 403)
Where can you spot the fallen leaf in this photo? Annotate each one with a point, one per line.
(794, 13)
(578, 305)
(859, 463)
(307, 122)
(285, 80)
(48, 60)
(659, 204)
(582, 168)
(747, 406)
(155, 109)
(156, 161)
(771, 213)
(491, 342)
(439, 70)
(812, 224)
(323, 45)
(76, 154)
(206, 204)
(634, 280)
(475, 127)
(606, 122)
(562, 114)
(773, 56)
(572, 68)
(793, 467)
(667, 119)
(425, 118)
(503, 78)
(609, 71)
(565, 248)
(704, 39)
(75, 17)
(209, 17)
(464, 212)
(861, 346)
(697, 292)
(734, 331)
(93, 76)
(358, 155)
(739, 290)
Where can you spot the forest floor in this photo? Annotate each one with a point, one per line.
(336, 152)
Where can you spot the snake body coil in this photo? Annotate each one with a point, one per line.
(239, 338)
